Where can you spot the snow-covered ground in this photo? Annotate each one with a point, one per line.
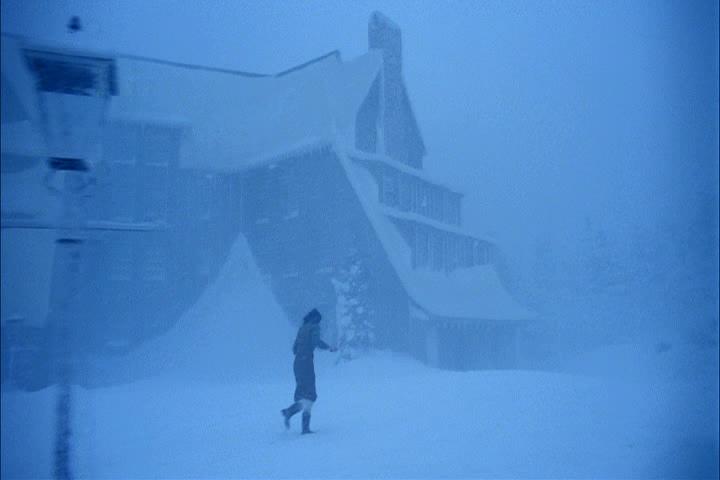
(382, 416)
(203, 401)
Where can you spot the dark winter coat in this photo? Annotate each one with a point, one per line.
(307, 340)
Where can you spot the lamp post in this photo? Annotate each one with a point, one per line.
(64, 306)
(73, 93)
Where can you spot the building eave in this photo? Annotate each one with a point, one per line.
(476, 292)
(380, 159)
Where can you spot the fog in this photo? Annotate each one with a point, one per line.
(507, 208)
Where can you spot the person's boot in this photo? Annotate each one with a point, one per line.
(287, 413)
(306, 423)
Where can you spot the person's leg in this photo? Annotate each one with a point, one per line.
(289, 412)
(307, 409)
(292, 409)
(298, 367)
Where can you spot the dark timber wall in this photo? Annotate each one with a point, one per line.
(302, 220)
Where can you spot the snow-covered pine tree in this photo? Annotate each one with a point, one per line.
(355, 334)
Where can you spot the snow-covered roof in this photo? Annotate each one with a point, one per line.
(381, 159)
(227, 117)
(468, 293)
(431, 222)
(232, 118)
(474, 292)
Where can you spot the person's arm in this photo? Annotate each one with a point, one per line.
(318, 342)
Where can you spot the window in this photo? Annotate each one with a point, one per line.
(451, 251)
(435, 250)
(404, 187)
(422, 198)
(390, 189)
(468, 254)
(421, 247)
(412, 183)
(481, 253)
(450, 208)
(436, 203)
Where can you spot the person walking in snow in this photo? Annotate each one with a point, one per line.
(308, 338)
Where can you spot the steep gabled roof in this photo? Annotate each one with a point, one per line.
(232, 119)
(474, 293)
(334, 53)
(227, 117)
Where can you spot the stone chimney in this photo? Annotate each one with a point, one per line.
(400, 138)
(384, 35)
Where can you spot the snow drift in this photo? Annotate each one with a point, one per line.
(235, 330)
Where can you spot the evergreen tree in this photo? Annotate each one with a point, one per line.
(355, 334)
